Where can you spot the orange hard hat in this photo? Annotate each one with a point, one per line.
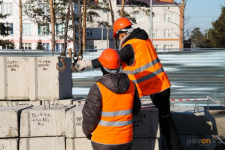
(119, 24)
(110, 59)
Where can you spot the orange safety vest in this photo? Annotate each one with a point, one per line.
(146, 71)
(115, 125)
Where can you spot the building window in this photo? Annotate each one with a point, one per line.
(26, 28)
(168, 33)
(139, 17)
(26, 46)
(7, 28)
(156, 46)
(168, 47)
(43, 30)
(60, 28)
(156, 17)
(89, 32)
(46, 46)
(169, 17)
(7, 8)
(59, 47)
(89, 18)
(155, 33)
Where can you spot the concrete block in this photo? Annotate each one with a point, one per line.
(3, 79)
(146, 123)
(146, 144)
(197, 142)
(39, 121)
(196, 123)
(62, 102)
(9, 144)
(9, 121)
(79, 102)
(34, 78)
(78, 144)
(52, 83)
(74, 120)
(19, 103)
(42, 143)
(14, 78)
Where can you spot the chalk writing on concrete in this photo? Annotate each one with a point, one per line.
(138, 120)
(2, 147)
(13, 65)
(40, 118)
(79, 121)
(44, 64)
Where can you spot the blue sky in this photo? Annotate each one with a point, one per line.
(202, 12)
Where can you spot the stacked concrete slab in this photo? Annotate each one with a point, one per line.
(195, 127)
(34, 78)
(146, 129)
(9, 121)
(9, 127)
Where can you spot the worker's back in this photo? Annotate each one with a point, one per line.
(117, 96)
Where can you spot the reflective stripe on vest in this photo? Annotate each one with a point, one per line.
(148, 65)
(147, 71)
(115, 125)
(116, 113)
(149, 76)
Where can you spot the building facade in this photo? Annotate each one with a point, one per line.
(31, 32)
(166, 26)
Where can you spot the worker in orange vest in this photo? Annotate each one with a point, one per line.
(142, 65)
(110, 106)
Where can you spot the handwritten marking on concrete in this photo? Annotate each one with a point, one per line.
(79, 121)
(2, 147)
(13, 65)
(41, 118)
(44, 64)
(138, 120)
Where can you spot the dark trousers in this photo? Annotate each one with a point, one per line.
(162, 102)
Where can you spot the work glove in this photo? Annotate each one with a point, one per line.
(82, 64)
(89, 136)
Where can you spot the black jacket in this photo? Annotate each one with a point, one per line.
(127, 52)
(117, 83)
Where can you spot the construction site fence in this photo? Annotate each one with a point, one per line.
(193, 74)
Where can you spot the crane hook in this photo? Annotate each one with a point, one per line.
(64, 64)
(74, 66)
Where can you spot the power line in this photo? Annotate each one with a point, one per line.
(202, 16)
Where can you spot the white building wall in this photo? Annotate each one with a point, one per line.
(34, 37)
(159, 25)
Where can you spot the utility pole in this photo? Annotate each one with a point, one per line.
(21, 28)
(151, 23)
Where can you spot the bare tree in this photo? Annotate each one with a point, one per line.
(84, 23)
(112, 16)
(122, 8)
(184, 20)
(80, 27)
(52, 14)
(21, 29)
